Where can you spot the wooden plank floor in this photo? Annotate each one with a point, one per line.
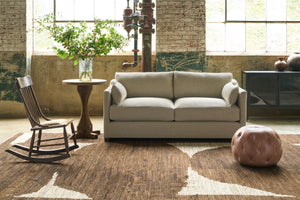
(148, 169)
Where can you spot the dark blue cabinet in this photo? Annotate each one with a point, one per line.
(272, 89)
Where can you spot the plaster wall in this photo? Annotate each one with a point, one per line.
(47, 73)
(56, 99)
(12, 65)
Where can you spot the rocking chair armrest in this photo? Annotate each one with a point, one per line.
(46, 127)
(46, 118)
(53, 124)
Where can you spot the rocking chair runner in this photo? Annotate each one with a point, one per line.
(35, 114)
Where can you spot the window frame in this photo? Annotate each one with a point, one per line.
(245, 22)
(76, 21)
(125, 52)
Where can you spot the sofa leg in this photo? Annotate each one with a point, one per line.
(107, 139)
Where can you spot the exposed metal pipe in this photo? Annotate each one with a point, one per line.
(135, 51)
(144, 21)
(131, 20)
(147, 31)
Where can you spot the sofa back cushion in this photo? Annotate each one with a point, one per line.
(147, 84)
(197, 84)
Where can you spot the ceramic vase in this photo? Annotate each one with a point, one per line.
(85, 69)
(280, 64)
(293, 62)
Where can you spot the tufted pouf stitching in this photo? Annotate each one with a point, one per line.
(257, 146)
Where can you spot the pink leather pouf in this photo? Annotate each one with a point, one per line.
(256, 146)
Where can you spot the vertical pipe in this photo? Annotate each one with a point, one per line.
(135, 50)
(147, 52)
(147, 31)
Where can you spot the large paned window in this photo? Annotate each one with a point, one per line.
(257, 26)
(82, 10)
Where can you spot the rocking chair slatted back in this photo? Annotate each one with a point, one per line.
(33, 109)
(34, 114)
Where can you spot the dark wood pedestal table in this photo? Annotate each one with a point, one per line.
(84, 88)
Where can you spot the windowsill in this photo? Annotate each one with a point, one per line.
(219, 53)
(53, 53)
(208, 53)
(44, 53)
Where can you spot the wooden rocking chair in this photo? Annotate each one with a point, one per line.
(35, 114)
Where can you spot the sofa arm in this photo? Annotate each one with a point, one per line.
(113, 81)
(107, 101)
(242, 103)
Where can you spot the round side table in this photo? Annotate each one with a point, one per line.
(84, 88)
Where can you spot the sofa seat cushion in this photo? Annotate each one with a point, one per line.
(143, 109)
(204, 109)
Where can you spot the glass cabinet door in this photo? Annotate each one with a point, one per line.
(262, 90)
(289, 90)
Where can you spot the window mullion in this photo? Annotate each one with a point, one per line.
(225, 36)
(286, 37)
(286, 31)
(266, 10)
(225, 27)
(225, 11)
(245, 10)
(54, 9)
(267, 40)
(266, 26)
(94, 10)
(114, 9)
(245, 38)
(74, 10)
(245, 27)
(256, 22)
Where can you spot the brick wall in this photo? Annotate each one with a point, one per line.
(13, 25)
(180, 35)
(12, 54)
(180, 25)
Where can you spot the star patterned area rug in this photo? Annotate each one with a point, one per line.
(159, 169)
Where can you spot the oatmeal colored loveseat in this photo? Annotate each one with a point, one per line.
(173, 105)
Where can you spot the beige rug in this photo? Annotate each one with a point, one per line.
(150, 169)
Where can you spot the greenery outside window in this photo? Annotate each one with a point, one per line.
(82, 10)
(253, 26)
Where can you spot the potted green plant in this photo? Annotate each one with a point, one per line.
(82, 43)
